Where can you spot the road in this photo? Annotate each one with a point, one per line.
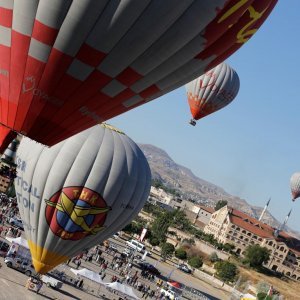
(13, 282)
(176, 275)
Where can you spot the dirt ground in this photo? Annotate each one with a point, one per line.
(290, 289)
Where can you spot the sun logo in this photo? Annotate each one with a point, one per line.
(76, 212)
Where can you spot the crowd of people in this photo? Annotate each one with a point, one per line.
(121, 269)
(105, 256)
(8, 210)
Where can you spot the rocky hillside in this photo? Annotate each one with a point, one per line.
(190, 187)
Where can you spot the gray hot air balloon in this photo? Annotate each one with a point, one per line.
(295, 185)
(79, 192)
(212, 91)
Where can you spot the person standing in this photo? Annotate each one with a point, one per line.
(78, 263)
(39, 286)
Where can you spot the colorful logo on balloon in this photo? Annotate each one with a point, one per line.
(76, 212)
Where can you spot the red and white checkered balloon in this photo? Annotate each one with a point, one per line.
(66, 65)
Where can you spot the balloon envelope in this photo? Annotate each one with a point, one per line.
(79, 192)
(68, 65)
(212, 91)
(6, 136)
(295, 185)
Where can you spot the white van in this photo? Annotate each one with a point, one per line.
(136, 245)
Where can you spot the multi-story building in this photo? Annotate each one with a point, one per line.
(199, 215)
(8, 167)
(232, 226)
(5, 183)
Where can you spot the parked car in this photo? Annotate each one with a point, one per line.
(51, 282)
(24, 266)
(169, 293)
(14, 221)
(116, 235)
(184, 268)
(129, 252)
(150, 268)
(4, 247)
(113, 246)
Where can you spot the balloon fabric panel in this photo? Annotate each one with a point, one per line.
(79, 192)
(212, 91)
(67, 65)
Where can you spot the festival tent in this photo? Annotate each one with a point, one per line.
(247, 297)
(124, 289)
(19, 241)
(88, 274)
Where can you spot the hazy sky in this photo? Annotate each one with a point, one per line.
(251, 147)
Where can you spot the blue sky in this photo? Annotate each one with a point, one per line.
(251, 147)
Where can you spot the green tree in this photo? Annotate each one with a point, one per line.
(226, 271)
(214, 257)
(167, 250)
(195, 261)
(228, 247)
(263, 296)
(161, 225)
(220, 204)
(153, 241)
(256, 255)
(133, 227)
(180, 253)
(180, 220)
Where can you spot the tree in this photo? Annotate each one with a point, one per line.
(214, 257)
(160, 226)
(154, 241)
(226, 270)
(220, 204)
(228, 247)
(256, 255)
(180, 220)
(167, 250)
(195, 261)
(180, 253)
(166, 219)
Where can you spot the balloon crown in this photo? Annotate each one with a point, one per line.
(108, 126)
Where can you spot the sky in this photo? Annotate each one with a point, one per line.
(251, 147)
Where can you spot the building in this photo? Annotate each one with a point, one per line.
(4, 183)
(199, 215)
(160, 195)
(168, 201)
(8, 167)
(232, 226)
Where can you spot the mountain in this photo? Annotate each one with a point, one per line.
(190, 187)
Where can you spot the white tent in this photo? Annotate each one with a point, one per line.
(124, 289)
(88, 274)
(247, 297)
(19, 240)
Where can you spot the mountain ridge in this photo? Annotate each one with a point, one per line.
(198, 190)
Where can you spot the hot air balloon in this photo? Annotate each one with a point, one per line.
(295, 185)
(68, 65)
(79, 192)
(212, 91)
(6, 136)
